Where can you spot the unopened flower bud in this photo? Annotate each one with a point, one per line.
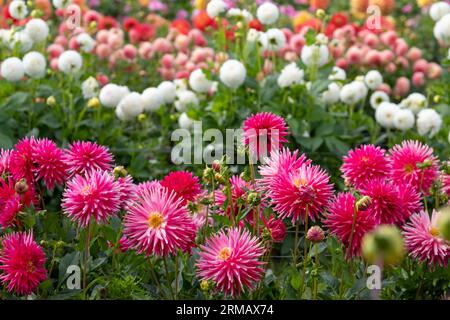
(216, 165)
(315, 234)
(204, 285)
(437, 98)
(120, 172)
(93, 103)
(320, 14)
(444, 223)
(142, 117)
(384, 244)
(51, 101)
(21, 186)
(362, 203)
(254, 198)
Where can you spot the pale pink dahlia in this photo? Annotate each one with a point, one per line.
(264, 132)
(364, 163)
(95, 195)
(185, 185)
(423, 240)
(49, 163)
(145, 187)
(446, 184)
(391, 203)
(20, 162)
(232, 260)
(84, 156)
(343, 218)
(304, 190)
(22, 263)
(406, 160)
(280, 161)
(5, 155)
(158, 224)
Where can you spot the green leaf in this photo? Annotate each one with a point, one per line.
(5, 142)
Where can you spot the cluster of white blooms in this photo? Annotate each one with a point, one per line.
(185, 99)
(18, 9)
(85, 42)
(61, 4)
(316, 54)
(70, 62)
(215, 8)
(35, 31)
(33, 65)
(90, 88)
(291, 75)
(267, 13)
(332, 94)
(233, 74)
(441, 29)
(438, 10)
(199, 82)
(337, 74)
(373, 79)
(403, 116)
(240, 14)
(353, 92)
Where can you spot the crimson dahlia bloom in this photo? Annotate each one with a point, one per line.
(264, 132)
(22, 263)
(95, 195)
(5, 155)
(232, 261)
(423, 240)
(342, 218)
(303, 190)
(391, 203)
(49, 163)
(157, 223)
(20, 162)
(83, 157)
(185, 185)
(364, 163)
(404, 167)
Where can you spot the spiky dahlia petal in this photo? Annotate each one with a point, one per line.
(232, 260)
(364, 163)
(391, 203)
(49, 163)
(22, 263)
(127, 191)
(280, 161)
(157, 223)
(5, 156)
(306, 189)
(404, 165)
(423, 240)
(20, 162)
(83, 157)
(95, 195)
(184, 183)
(264, 132)
(343, 218)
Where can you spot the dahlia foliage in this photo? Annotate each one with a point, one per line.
(218, 149)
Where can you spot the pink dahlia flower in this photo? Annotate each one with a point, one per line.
(446, 184)
(264, 132)
(391, 203)
(5, 155)
(145, 187)
(22, 263)
(232, 260)
(304, 190)
(423, 240)
(158, 223)
(95, 195)
(347, 224)
(127, 191)
(49, 163)
(405, 162)
(364, 163)
(11, 203)
(185, 185)
(20, 162)
(280, 161)
(83, 157)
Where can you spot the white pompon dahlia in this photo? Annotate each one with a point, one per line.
(37, 30)
(12, 69)
(199, 82)
(70, 62)
(267, 13)
(233, 74)
(34, 65)
(152, 99)
(429, 122)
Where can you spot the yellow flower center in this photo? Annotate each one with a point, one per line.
(409, 168)
(299, 182)
(224, 254)
(434, 231)
(86, 190)
(155, 220)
